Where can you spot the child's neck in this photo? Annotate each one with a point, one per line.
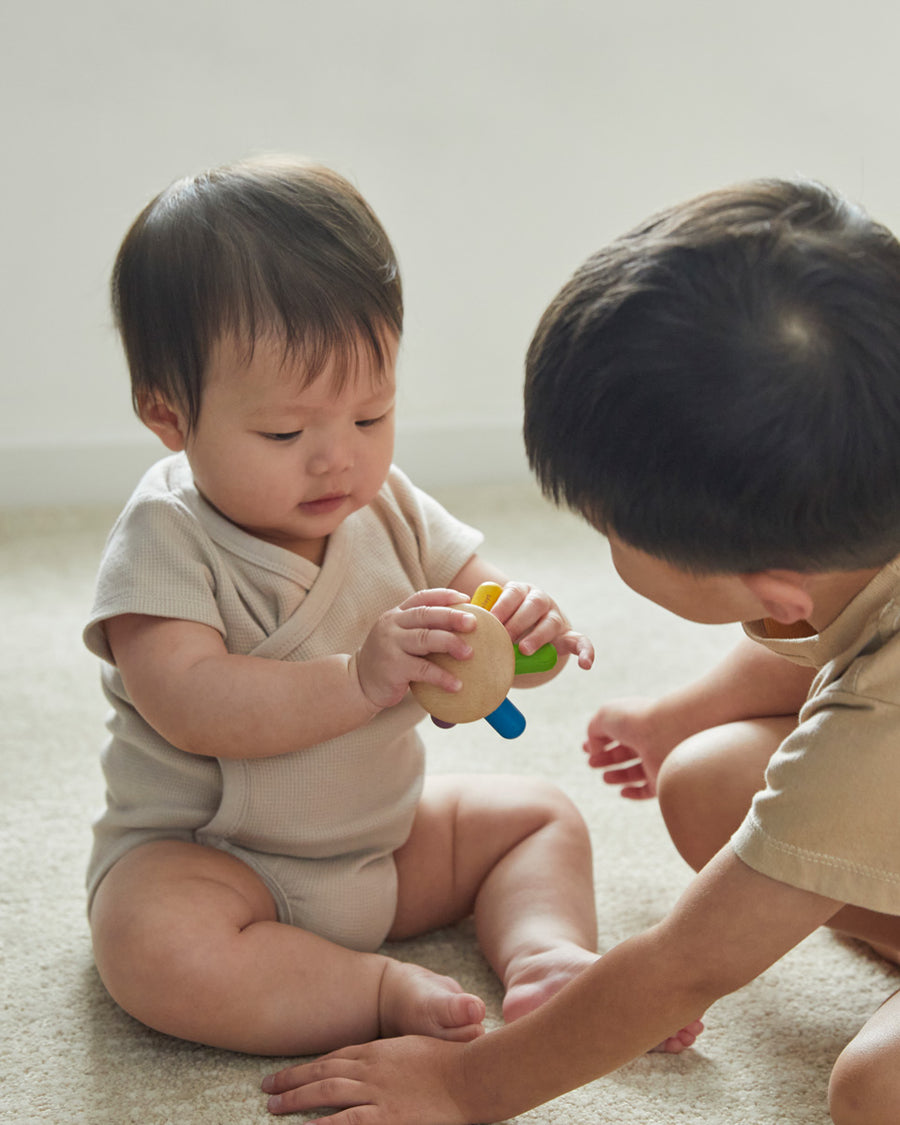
(833, 592)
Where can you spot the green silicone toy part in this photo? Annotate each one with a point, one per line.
(541, 661)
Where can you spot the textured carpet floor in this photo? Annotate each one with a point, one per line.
(69, 1055)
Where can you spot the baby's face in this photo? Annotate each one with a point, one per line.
(289, 463)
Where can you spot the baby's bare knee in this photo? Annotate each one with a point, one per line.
(149, 966)
(532, 808)
(550, 805)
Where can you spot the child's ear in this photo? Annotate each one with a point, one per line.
(168, 424)
(784, 594)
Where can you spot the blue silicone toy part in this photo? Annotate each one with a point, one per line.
(508, 721)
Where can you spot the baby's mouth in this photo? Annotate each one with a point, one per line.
(324, 504)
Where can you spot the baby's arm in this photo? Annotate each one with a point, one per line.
(731, 924)
(205, 700)
(630, 738)
(531, 617)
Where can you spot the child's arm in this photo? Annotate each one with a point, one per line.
(629, 739)
(531, 617)
(731, 924)
(205, 700)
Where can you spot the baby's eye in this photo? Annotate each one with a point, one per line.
(283, 437)
(365, 423)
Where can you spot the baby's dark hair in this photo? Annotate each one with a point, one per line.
(269, 248)
(721, 386)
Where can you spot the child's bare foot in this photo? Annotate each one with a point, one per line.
(536, 978)
(416, 1001)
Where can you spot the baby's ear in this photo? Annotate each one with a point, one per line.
(784, 594)
(168, 424)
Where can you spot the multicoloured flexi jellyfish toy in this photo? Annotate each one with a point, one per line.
(486, 676)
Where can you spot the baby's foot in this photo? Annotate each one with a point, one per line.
(535, 979)
(415, 1001)
(685, 1038)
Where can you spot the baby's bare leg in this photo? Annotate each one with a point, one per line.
(186, 940)
(865, 1082)
(514, 852)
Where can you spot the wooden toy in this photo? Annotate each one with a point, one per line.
(486, 676)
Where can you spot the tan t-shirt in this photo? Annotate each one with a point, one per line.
(828, 820)
(171, 554)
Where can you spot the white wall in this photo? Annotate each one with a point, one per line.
(500, 141)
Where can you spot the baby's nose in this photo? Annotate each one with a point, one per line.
(333, 453)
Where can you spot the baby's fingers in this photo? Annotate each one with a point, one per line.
(428, 629)
(577, 645)
(439, 596)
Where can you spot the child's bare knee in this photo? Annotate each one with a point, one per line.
(681, 788)
(864, 1088)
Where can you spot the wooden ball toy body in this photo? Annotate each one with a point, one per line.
(486, 676)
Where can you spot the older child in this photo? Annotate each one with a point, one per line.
(718, 393)
(265, 600)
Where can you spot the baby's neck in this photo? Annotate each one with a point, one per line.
(311, 549)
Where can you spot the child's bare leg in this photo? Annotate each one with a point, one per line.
(514, 852)
(186, 940)
(880, 931)
(706, 786)
(865, 1082)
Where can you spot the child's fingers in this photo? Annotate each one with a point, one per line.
(603, 753)
(627, 775)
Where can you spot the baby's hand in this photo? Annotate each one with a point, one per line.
(394, 654)
(532, 618)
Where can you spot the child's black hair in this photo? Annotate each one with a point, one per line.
(721, 386)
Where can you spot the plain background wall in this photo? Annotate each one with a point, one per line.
(500, 141)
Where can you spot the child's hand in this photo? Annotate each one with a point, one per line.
(394, 654)
(405, 1081)
(625, 741)
(532, 618)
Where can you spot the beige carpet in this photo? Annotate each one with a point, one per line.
(69, 1055)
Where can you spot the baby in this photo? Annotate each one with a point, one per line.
(265, 600)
